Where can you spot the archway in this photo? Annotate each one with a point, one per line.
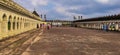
(9, 23)
(4, 24)
(37, 25)
(14, 23)
(18, 23)
(4, 17)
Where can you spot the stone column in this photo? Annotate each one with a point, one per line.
(22, 26)
(0, 31)
(116, 26)
(19, 24)
(11, 27)
(15, 24)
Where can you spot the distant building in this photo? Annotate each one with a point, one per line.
(111, 23)
(59, 22)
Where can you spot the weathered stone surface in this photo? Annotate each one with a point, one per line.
(76, 41)
(14, 19)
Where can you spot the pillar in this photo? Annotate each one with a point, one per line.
(0, 31)
(116, 26)
(23, 23)
(15, 24)
(11, 28)
(18, 24)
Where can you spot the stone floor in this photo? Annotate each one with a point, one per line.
(16, 45)
(75, 41)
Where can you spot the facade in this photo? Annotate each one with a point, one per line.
(14, 19)
(104, 23)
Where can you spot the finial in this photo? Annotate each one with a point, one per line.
(34, 9)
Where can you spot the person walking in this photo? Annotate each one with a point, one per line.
(105, 27)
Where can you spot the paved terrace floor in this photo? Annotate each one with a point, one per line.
(75, 41)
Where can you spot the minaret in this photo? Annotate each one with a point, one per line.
(79, 17)
(74, 17)
(41, 15)
(45, 17)
(34, 9)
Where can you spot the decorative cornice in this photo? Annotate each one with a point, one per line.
(17, 8)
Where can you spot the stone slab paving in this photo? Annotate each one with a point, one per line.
(75, 41)
(16, 45)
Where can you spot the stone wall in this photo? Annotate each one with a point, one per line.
(14, 19)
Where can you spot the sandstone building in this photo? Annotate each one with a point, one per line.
(14, 19)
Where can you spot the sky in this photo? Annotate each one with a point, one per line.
(66, 9)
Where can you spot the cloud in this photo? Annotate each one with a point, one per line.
(103, 1)
(39, 2)
(66, 9)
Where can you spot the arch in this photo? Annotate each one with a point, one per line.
(37, 25)
(10, 18)
(18, 23)
(18, 19)
(21, 19)
(9, 22)
(14, 18)
(4, 17)
(14, 22)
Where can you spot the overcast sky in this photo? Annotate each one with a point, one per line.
(66, 9)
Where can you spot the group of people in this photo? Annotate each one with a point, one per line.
(113, 27)
(45, 26)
